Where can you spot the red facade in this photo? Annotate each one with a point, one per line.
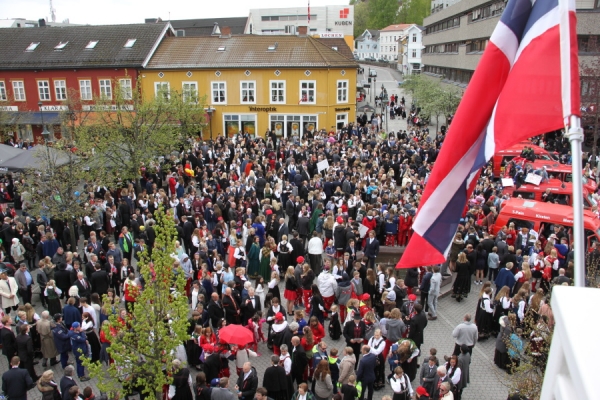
(52, 94)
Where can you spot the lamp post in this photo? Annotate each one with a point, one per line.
(45, 136)
(210, 111)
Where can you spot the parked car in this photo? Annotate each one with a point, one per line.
(372, 72)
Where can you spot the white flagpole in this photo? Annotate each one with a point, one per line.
(575, 135)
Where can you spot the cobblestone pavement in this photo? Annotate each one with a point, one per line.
(486, 379)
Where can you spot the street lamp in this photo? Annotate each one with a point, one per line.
(45, 132)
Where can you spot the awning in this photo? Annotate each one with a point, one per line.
(31, 118)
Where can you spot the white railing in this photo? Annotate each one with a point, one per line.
(571, 371)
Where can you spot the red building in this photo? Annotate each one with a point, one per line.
(40, 68)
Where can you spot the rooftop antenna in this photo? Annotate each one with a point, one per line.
(52, 13)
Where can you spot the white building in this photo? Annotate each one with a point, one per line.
(367, 44)
(327, 20)
(411, 49)
(388, 41)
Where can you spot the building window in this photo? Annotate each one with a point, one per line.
(85, 89)
(19, 90)
(126, 89)
(414, 37)
(308, 92)
(2, 91)
(60, 89)
(105, 89)
(190, 92)
(218, 92)
(248, 92)
(341, 120)
(161, 88)
(44, 90)
(277, 92)
(342, 91)
(414, 53)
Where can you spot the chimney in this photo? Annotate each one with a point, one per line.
(42, 22)
(225, 32)
(302, 31)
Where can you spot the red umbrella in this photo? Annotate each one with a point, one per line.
(236, 334)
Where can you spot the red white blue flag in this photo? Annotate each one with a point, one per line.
(526, 84)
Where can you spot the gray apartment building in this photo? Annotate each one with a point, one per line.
(455, 36)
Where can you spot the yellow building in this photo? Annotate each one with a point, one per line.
(288, 84)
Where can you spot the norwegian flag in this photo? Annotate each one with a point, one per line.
(526, 84)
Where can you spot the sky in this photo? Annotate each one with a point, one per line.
(102, 12)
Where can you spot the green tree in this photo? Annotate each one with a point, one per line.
(132, 131)
(56, 186)
(361, 17)
(414, 11)
(143, 343)
(382, 13)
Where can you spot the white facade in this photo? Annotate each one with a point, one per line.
(367, 45)
(388, 41)
(280, 21)
(411, 60)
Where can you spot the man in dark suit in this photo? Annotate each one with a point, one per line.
(25, 352)
(16, 381)
(275, 380)
(231, 307)
(283, 229)
(428, 377)
(297, 246)
(371, 249)
(67, 381)
(354, 334)
(212, 362)
(83, 285)
(188, 230)
(303, 226)
(99, 280)
(250, 306)
(9, 346)
(299, 360)
(290, 210)
(247, 382)
(417, 325)
(215, 311)
(366, 371)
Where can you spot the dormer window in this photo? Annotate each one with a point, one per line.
(32, 46)
(130, 43)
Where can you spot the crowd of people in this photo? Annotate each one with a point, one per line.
(270, 239)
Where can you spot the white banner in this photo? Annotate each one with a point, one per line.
(322, 165)
(533, 178)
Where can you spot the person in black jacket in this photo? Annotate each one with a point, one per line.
(275, 380)
(212, 362)
(16, 381)
(416, 325)
(354, 334)
(25, 352)
(62, 277)
(247, 382)
(215, 311)
(99, 280)
(412, 279)
(299, 360)
(250, 306)
(9, 346)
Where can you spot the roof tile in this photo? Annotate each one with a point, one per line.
(247, 51)
(108, 52)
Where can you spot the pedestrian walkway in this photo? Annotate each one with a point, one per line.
(389, 78)
(487, 381)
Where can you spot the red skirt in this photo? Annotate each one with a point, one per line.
(290, 295)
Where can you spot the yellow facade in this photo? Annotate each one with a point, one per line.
(258, 100)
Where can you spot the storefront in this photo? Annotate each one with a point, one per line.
(239, 123)
(293, 126)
